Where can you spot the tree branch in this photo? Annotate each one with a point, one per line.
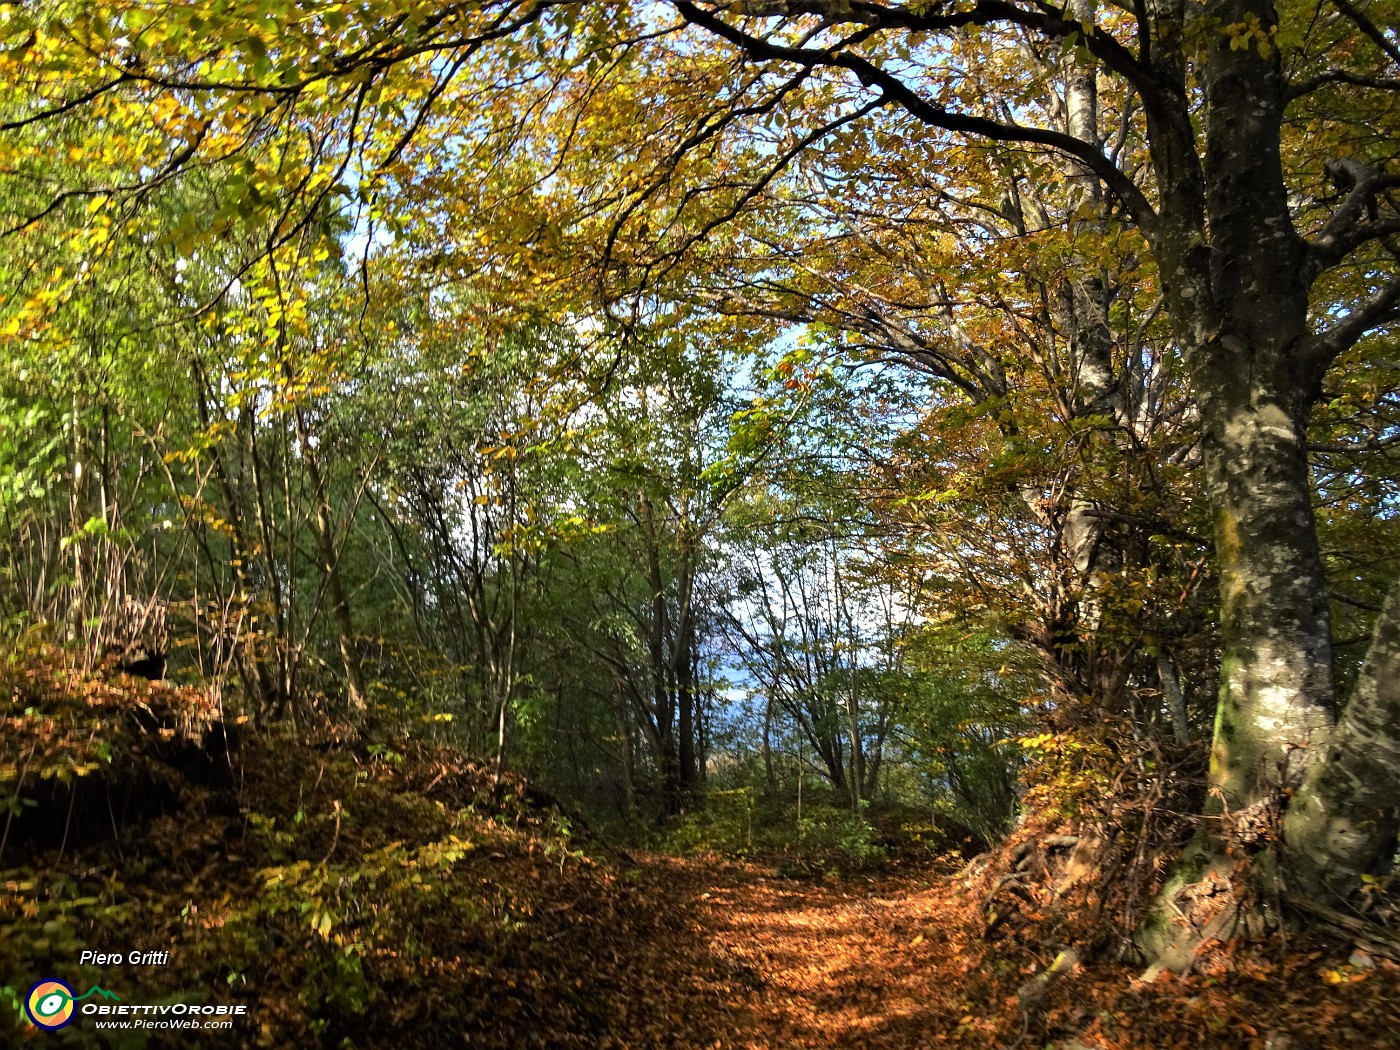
(895, 90)
(1341, 76)
(1368, 27)
(918, 18)
(1379, 309)
(68, 105)
(1345, 231)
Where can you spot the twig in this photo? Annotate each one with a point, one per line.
(335, 836)
(1380, 940)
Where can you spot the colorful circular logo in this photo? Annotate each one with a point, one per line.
(50, 1004)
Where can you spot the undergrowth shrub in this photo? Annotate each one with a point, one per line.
(1105, 814)
(723, 823)
(827, 836)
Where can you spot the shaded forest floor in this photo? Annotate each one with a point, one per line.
(897, 961)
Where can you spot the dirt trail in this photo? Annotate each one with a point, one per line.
(851, 963)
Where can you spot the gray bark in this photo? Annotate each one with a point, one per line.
(1344, 819)
(1172, 697)
(1233, 278)
(1274, 707)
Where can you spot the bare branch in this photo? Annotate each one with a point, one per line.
(1381, 308)
(1346, 230)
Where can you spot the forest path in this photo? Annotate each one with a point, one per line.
(857, 962)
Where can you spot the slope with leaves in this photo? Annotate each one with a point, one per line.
(348, 895)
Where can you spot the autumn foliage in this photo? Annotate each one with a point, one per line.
(920, 474)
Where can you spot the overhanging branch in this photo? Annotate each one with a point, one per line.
(898, 92)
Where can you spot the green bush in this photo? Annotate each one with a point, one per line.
(723, 823)
(735, 823)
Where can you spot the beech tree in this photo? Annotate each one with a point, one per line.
(1273, 259)
(1243, 254)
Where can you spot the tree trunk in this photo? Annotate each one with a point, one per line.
(1233, 277)
(769, 784)
(322, 530)
(1172, 696)
(1234, 280)
(1345, 817)
(1091, 663)
(1274, 707)
(686, 691)
(624, 735)
(1275, 701)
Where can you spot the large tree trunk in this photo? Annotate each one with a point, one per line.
(1256, 396)
(1234, 279)
(1275, 701)
(1345, 817)
(1274, 707)
(1233, 276)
